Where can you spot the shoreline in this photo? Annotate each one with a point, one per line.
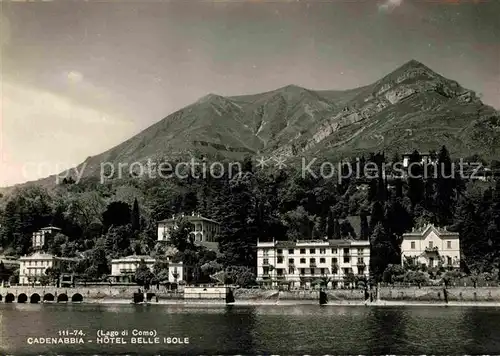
(284, 303)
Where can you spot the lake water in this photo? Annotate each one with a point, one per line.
(284, 330)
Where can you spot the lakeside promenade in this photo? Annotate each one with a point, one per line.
(386, 295)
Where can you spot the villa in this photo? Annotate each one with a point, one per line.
(123, 269)
(204, 229)
(431, 246)
(33, 267)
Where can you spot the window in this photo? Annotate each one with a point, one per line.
(321, 260)
(302, 251)
(360, 251)
(346, 251)
(290, 261)
(302, 271)
(448, 260)
(322, 271)
(413, 245)
(448, 243)
(266, 252)
(265, 270)
(334, 261)
(334, 251)
(312, 271)
(302, 260)
(280, 251)
(322, 251)
(280, 259)
(290, 251)
(313, 260)
(279, 271)
(430, 244)
(265, 261)
(291, 270)
(347, 259)
(312, 251)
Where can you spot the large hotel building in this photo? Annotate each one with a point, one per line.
(300, 263)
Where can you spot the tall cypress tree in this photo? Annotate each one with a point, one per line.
(136, 216)
(415, 179)
(365, 229)
(445, 186)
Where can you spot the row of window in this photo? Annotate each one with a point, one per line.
(322, 251)
(291, 261)
(312, 271)
(36, 263)
(431, 245)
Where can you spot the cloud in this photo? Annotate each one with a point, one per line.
(75, 76)
(4, 30)
(43, 132)
(389, 5)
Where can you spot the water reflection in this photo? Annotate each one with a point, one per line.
(302, 329)
(387, 330)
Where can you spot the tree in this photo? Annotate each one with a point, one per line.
(415, 179)
(143, 275)
(240, 275)
(365, 228)
(53, 275)
(117, 214)
(136, 217)
(377, 215)
(381, 252)
(4, 275)
(181, 236)
(445, 186)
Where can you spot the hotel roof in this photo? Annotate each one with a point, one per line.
(326, 243)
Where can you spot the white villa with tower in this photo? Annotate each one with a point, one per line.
(33, 267)
(431, 246)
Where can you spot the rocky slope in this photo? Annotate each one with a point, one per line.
(411, 108)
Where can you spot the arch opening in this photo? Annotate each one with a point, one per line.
(62, 298)
(48, 297)
(9, 298)
(77, 298)
(35, 298)
(22, 298)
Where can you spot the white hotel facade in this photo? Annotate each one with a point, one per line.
(301, 262)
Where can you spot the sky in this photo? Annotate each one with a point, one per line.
(80, 77)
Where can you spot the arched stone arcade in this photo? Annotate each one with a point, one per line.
(76, 298)
(48, 297)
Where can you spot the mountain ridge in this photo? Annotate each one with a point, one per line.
(412, 107)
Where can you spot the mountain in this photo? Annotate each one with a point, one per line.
(411, 108)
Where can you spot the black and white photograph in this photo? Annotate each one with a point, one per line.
(249, 177)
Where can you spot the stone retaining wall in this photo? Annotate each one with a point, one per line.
(437, 294)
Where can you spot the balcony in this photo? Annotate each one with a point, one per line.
(126, 270)
(312, 265)
(265, 263)
(431, 249)
(361, 264)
